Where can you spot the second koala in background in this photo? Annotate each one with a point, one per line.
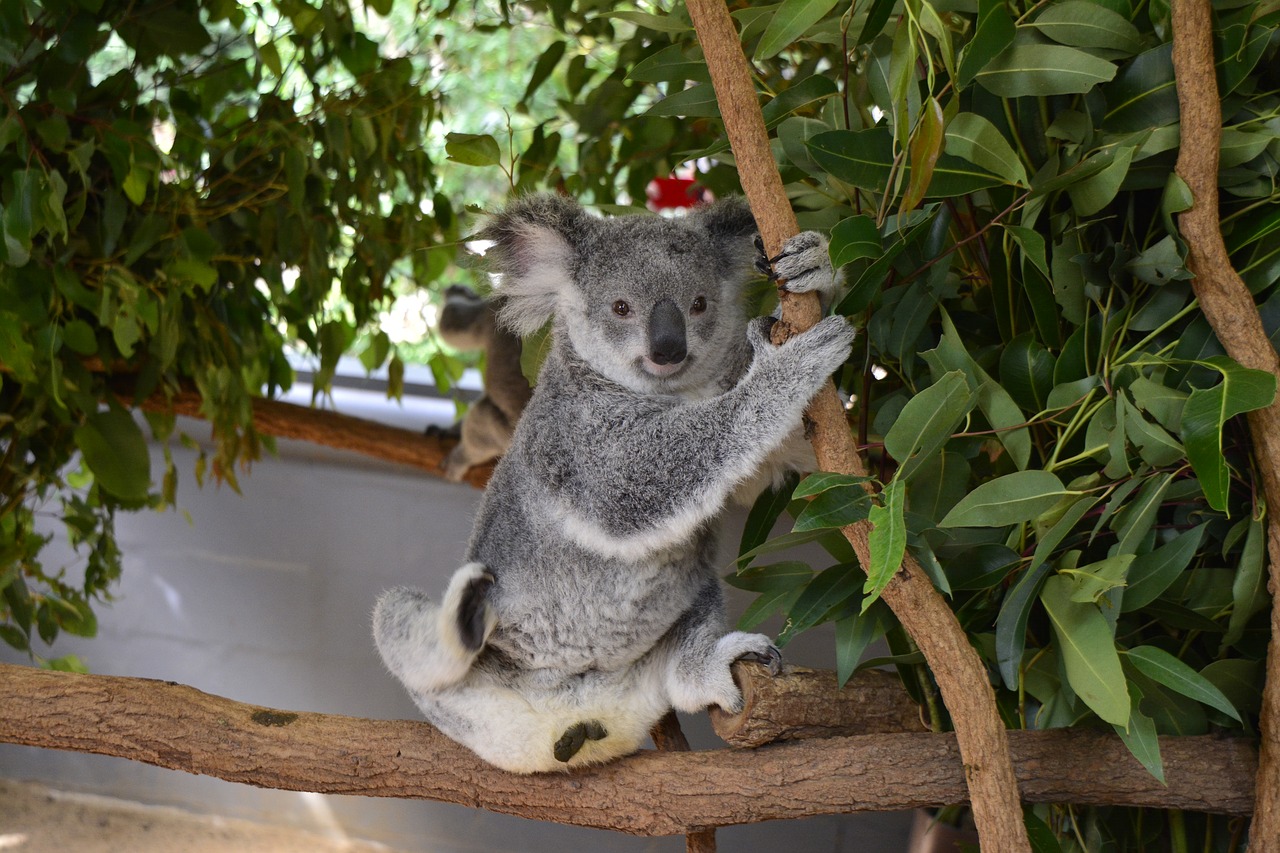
(469, 322)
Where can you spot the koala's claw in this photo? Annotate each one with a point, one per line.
(770, 657)
(575, 736)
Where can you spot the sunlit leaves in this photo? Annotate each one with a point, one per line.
(789, 22)
(473, 149)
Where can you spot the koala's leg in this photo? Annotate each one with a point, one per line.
(697, 663)
(485, 435)
(428, 646)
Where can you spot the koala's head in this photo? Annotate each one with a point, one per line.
(651, 303)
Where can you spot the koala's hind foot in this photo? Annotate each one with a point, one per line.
(770, 658)
(429, 646)
(575, 736)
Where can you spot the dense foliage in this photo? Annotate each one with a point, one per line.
(1052, 422)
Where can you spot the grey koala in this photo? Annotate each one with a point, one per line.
(470, 322)
(590, 605)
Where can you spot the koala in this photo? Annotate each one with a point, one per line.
(469, 322)
(590, 603)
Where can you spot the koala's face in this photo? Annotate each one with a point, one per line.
(655, 307)
(650, 303)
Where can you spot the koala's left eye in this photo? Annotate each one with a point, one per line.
(621, 308)
(699, 305)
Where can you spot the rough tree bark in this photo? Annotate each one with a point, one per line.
(962, 679)
(650, 793)
(806, 703)
(1230, 309)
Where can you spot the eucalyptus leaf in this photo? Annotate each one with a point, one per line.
(791, 20)
(1206, 412)
(927, 421)
(115, 450)
(887, 542)
(1013, 498)
(1160, 666)
(1088, 652)
(1042, 70)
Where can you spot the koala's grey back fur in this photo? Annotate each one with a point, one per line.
(591, 603)
(469, 322)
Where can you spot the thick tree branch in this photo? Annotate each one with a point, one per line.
(806, 703)
(1229, 307)
(330, 429)
(651, 793)
(961, 677)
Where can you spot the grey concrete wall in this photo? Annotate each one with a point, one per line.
(265, 598)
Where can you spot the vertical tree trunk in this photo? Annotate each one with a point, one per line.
(1229, 307)
(962, 679)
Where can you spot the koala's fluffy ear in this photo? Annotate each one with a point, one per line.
(536, 241)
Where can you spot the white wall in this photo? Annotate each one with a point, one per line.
(265, 598)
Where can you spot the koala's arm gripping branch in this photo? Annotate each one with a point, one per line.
(961, 677)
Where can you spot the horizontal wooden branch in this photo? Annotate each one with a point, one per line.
(331, 429)
(806, 703)
(651, 793)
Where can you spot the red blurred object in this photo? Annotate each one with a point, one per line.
(666, 193)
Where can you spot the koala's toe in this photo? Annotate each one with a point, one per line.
(770, 657)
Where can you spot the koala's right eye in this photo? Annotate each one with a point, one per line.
(621, 308)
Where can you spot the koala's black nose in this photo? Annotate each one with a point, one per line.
(666, 334)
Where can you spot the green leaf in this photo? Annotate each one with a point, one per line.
(887, 542)
(792, 19)
(1143, 94)
(1162, 667)
(785, 575)
(973, 138)
(994, 33)
(768, 603)
(831, 588)
(472, 149)
(1141, 738)
(115, 450)
(1026, 372)
(807, 92)
(1098, 190)
(854, 238)
(77, 334)
(822, 481)
(1011, 499)
(698, 101)
(1152, 573)
(1208, 409)
(1044, 69)
(1249, 587)
(770, 504)
(927, 421)
(1088, 651)
(670, 65)
(834, 508)
(542, 69)
(864, 158)
(1083, 23)
(853, 635)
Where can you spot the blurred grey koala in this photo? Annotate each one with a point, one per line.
(469, 322)
(590, 604)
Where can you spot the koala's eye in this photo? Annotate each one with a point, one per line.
(621, 308)
(699, 305)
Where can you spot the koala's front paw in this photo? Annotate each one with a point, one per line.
(771, 658)
(826, 346)
(803, 265)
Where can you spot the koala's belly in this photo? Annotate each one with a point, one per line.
(603, 616)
